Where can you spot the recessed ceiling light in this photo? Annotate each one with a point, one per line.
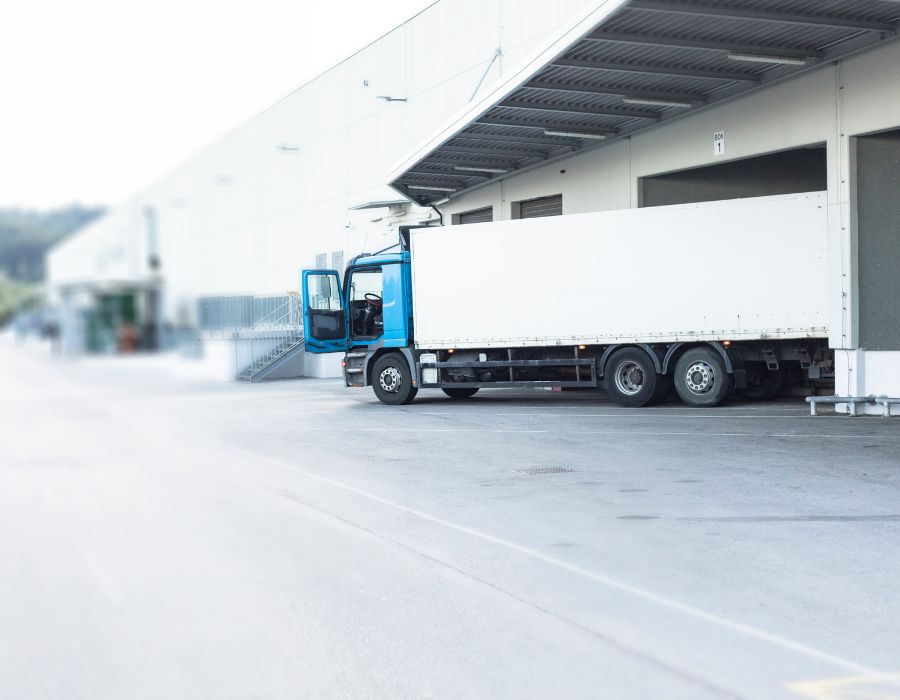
(575, 134)
(480, 169)
(432, 188)
(653, 102)
(766, 58)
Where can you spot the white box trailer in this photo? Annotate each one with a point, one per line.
(704, 298)
(747, 269)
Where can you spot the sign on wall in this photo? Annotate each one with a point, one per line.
(719, 143)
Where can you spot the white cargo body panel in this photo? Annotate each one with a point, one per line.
(739, 269)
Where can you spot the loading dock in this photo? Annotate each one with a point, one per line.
(878, 239)
(788, 172)
(628, 108)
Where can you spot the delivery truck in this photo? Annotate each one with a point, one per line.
(701, 299)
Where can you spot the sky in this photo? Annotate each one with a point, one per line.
(99, 98)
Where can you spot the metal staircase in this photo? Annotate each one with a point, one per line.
(265, 365)
(270, 342)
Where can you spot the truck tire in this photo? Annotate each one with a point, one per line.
(631, 379)
(460, 393)
(763, 385)
(392, 380)
(701, 379)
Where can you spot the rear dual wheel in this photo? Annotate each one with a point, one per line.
(632, 381)
(701, 378)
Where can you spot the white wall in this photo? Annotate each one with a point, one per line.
(243, 216)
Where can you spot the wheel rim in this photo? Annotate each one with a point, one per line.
(700, 378)
(390, 380)
(629, 378)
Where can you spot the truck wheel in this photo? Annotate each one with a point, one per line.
(631, 378)
(460, 393)
(392, 380)
(763, 385)
(701, 379)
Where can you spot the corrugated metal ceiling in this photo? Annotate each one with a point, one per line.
(684, 52)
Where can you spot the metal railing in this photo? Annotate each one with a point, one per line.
(263, 328)
(221, 316)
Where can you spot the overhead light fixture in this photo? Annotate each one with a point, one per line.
(432, 188)
(388, 98)
(480, 169)
(575, 134)
(653, 102)
(288, 147)
(766, 58)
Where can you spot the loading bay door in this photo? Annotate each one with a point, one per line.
(878, 240)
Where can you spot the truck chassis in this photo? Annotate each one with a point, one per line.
(702, 374)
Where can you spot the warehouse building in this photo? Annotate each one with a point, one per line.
(211, 253)
(622, 104)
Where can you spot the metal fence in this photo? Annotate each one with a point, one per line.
(223, 316)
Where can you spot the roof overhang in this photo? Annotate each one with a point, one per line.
(628, 65)
(380, 204)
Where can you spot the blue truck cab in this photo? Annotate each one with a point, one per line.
(366, 315)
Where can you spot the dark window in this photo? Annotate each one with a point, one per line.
(476, 216)
(366, 319)
(798, 170)
(534, 208)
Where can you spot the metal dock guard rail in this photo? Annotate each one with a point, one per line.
(853, 401)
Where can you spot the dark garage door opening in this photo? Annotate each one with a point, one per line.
(797, 170)
(878, 239)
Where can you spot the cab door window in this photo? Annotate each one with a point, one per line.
(324, 311)
(366, 318)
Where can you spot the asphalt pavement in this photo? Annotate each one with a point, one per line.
(163, 537)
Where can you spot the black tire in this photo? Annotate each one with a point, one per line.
(392, 380)
(763, 384)
(460, 393)
(701, 379)
(631, 379)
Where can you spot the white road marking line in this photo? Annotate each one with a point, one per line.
(607, 581)
(604, 637)
(320, 429)
(101, 576)
(598, 415)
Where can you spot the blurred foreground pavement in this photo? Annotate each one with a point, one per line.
(167, 538)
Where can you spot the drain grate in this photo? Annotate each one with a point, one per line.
(538, 471)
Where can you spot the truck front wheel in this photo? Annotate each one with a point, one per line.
(701, 379)
(392, 380)
(631, 378)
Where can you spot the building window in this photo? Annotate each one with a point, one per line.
(534, 208)
(476, 216)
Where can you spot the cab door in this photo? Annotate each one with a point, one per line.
(324, 319)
